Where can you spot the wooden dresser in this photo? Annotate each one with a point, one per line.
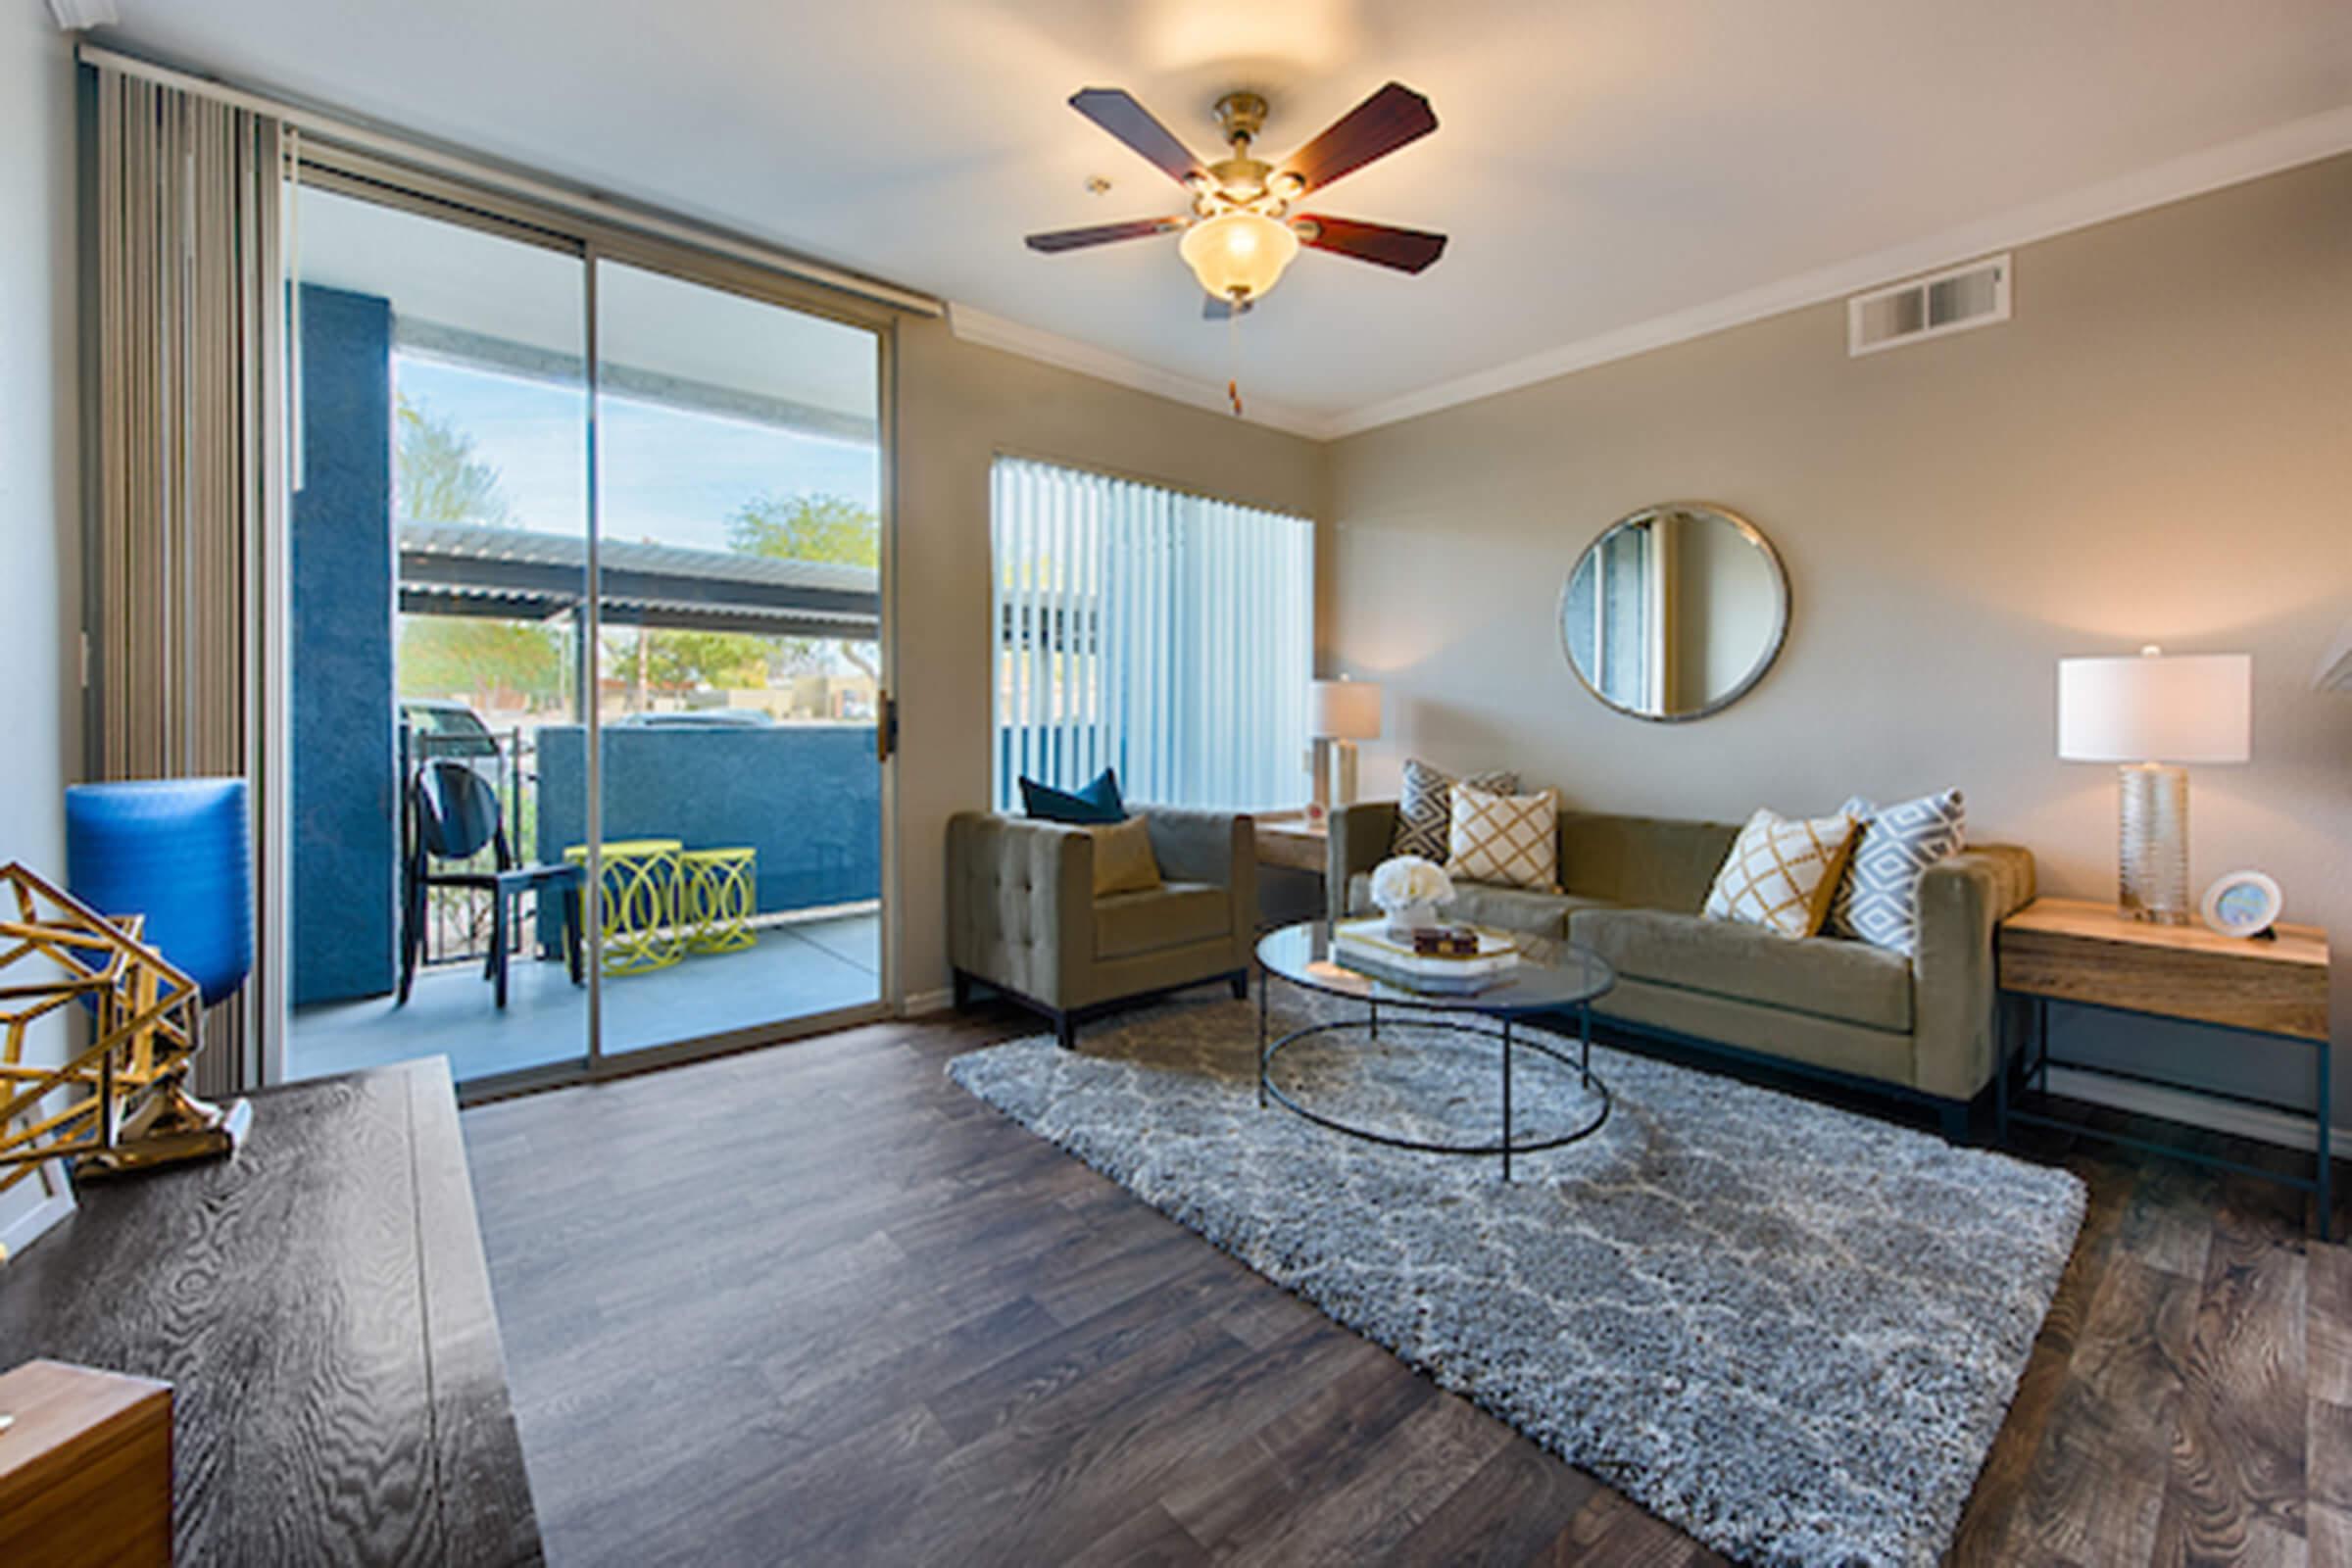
(320, 1307)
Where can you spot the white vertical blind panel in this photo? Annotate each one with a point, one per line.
(1167, 635)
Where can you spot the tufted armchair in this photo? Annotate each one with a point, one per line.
(1022, 915)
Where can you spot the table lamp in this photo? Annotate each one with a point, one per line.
(1343, 712)
(2153, 714)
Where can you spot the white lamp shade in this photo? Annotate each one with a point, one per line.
(2156, 708)
(1346, 710)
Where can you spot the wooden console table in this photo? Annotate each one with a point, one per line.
(1293, 842)
(320, 1306)
(2093, 955)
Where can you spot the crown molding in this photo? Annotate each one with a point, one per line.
(78, 15)
(2283, 147)
(971, 324)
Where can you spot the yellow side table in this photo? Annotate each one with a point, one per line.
(640, 895)
(722, 894)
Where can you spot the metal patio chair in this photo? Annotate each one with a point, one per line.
(456, 815)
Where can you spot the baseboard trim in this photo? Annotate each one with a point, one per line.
(925, 1004)
(2196, 1110)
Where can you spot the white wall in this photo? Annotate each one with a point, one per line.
(40, 479)
(2158, 448)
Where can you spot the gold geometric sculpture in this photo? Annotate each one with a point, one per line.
(129, 1104)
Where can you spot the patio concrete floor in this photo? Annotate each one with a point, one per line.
(805, 967)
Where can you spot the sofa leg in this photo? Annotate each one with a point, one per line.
(1065, 1030)
(1240, 979)
(1955, 1120)
(962, 986)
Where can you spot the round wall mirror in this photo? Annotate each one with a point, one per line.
(1675, 612)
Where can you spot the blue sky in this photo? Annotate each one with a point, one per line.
(670, 476)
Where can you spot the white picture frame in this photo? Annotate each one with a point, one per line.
(2242, 903)
(33, 1207)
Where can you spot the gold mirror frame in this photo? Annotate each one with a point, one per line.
(1774, 641)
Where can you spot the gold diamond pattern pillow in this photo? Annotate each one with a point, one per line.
(1509, 838)
(1782, 872)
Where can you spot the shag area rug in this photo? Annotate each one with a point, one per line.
(1788, 1329)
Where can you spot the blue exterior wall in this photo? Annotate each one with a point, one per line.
(345, 787)
(809, 798)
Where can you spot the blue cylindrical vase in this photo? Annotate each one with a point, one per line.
(178, 852)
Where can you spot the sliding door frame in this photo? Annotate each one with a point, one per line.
(372, 176)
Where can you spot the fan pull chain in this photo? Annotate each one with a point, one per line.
(1233, 358)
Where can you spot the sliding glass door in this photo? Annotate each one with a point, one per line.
(739, 486)
(585, 620)
(437, 622)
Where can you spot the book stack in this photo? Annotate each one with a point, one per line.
(1444, 960)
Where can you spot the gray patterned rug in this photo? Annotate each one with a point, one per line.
(1791, 1330)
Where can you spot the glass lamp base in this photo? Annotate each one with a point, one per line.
(2152, 851)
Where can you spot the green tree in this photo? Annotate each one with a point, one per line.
(828, 528)
(448, 656)
(683, 661)
(437, 476)
(812, 528)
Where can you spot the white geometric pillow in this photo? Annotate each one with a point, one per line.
(1780, 872)
(1878, 901)
(1511, 840)
(1425, 807)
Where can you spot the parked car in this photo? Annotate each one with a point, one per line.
(446, 729)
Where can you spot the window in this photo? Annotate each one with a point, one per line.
(1162, 634)
(1613, 620)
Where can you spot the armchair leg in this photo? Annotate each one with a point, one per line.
(1065, 1030)
(1954, 1116)
(962, 984)
(1240, 979)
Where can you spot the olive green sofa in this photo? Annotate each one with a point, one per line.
(1024, 918)
(1925, 1026)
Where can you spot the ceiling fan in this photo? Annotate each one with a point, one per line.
(1242, 233)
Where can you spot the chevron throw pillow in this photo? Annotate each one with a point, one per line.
(1509, 838)
(1782, 872)
(1878, 901)
(1425, 807)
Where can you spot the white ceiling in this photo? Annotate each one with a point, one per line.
(1600, 165)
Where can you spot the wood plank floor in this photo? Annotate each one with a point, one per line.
(815, 1304)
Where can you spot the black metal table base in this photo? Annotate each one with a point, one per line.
(1505, 1145)
(2033, 1065)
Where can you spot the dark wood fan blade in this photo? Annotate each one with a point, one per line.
(1072, 240)
(1132, 123)
(1214, 309)
(1409, 250)
(1373, 128)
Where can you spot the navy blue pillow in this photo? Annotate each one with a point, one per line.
(1098, 803)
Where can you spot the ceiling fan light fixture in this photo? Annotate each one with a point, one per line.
(1238, 256)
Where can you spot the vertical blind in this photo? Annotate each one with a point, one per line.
(189, 294)
(1162, 634)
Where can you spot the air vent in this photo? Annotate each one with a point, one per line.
(1975, 295)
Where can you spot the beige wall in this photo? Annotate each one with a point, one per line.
(2157, 448)
(39, 452)
(958, 405)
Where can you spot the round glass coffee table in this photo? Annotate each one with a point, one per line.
(1550, 977)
